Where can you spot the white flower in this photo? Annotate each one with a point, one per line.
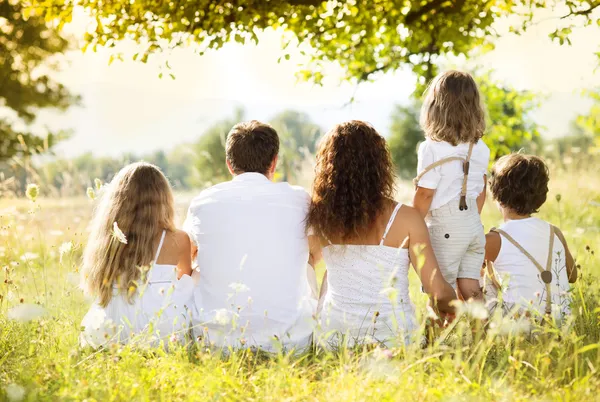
(239, 287)
(118, 234)
(223, 317)
(431, 313)
(173, 338)
(472, 309)
(65, 248)
(26, 312)
(14, 392)
(29, 257)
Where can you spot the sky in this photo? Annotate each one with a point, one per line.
(126, 107)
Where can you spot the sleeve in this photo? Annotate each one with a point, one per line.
(189, 226)
(427, 157)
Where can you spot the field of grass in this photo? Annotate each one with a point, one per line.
(40, 249)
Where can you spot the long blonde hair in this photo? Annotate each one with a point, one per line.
(452, 110)
(139, 203)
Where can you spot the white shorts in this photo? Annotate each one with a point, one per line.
(458, 240)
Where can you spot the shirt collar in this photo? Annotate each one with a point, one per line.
(252, 177)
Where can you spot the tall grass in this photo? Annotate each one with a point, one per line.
(40, 358)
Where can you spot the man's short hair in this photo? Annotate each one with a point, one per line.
(520, 182)
(251, 147)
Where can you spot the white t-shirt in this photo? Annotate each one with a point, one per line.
(252, 257)
(519, 276)
(447, 179)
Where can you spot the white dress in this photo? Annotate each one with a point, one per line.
(520, 279)
(160, 310)
(367, 298)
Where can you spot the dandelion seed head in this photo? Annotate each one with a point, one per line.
(14, 392)
(118, 234)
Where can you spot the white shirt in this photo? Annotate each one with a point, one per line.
(252, 257)
(520, 278)
(447, 179)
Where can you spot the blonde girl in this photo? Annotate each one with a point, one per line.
(136, 265)
(450, 186)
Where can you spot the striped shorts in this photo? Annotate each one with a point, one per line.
(458, 240)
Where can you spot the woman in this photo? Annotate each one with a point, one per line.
(367, 241)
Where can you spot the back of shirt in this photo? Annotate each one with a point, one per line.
(252, 256)
(447, 179)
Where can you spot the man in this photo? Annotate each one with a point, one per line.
(252, 250)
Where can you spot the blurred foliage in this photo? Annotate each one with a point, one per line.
(508, 121)
(299, 137)
(27, 47)
(588, 124)
(363, 36)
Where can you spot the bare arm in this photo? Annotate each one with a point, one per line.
(184, 248)
(422, 200)
(571, 267)
(481, 197)
(425, 264)
(315, 250)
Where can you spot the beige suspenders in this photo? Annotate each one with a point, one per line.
(466, 163)
(545, 274)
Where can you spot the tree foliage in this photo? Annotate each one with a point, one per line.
(405, 136)
(363, 36)
(27, 45)
(298, 136)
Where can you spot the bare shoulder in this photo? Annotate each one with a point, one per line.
(410, 216)
(181, 239)
(493, 242)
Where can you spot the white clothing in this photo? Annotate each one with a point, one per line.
(367, 298)
(521, 282)
(447, 179)
(160, 310)
(458, 240)
(252, 256)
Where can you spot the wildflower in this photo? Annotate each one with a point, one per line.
(65, 248)
(91, 193)
(26, 312)
(32, 192)
(472, 309)
(223, 317)
(558, 197)
(29, 257)
(537, 294)
(14, 392)
(173, 338)
(239, 287)
(98, 183)
(118, 234)
(161, 291)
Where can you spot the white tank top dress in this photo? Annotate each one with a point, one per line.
(367, 300)
(160, 310)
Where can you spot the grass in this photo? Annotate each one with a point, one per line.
(41, 360)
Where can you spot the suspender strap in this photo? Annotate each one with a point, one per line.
(466, 164)
(463, 193)
(434, 165)
(545, 274)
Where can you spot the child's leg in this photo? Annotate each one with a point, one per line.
(470, 267)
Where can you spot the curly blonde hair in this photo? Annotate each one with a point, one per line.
(354, 182)
(140, 201)
(452, 110)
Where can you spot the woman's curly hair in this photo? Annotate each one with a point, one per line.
(520, 183)
(354, 180)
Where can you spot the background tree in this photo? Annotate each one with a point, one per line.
(405, 135)
(363, 36)
(26, 47)
(298, 136)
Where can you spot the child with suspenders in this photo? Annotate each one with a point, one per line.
(527, 257)
(450, 185)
